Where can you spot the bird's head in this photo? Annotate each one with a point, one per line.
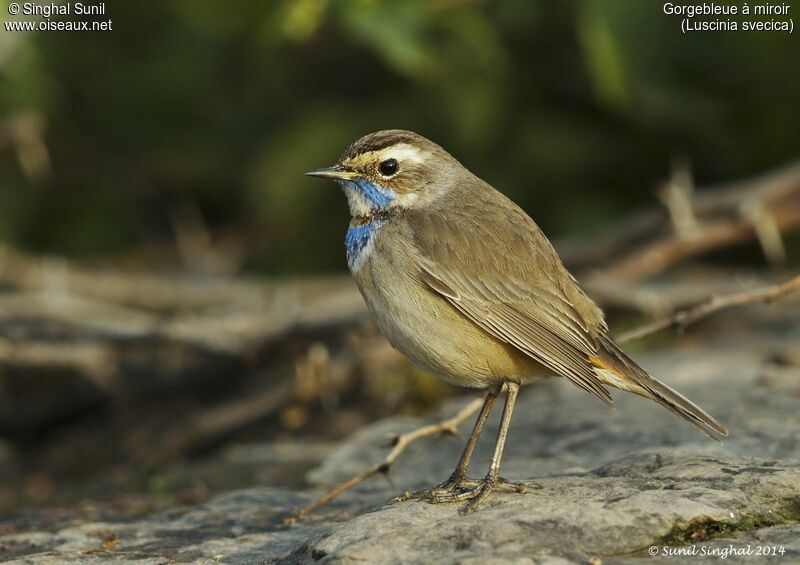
(391, 170)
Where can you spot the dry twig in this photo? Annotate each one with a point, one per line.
(680, 319)
(652, 240)
(400, 443)
(660, 254)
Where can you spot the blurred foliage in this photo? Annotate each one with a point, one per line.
(574, 108)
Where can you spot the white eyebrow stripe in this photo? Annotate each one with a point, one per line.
(404, 152)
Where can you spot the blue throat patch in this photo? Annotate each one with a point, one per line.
(378, 197)
(357, 239)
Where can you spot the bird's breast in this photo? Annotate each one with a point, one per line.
(420, 324)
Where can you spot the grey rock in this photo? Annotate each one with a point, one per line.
(621, 508)
(614, 483)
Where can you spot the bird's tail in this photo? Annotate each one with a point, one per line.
(615, 368)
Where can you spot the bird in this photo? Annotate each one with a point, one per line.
(465, 284)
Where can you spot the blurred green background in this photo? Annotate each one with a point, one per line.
(180, 138)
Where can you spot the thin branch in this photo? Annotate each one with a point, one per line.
(683, 318)
(651, 228)
(677, 195)
(400, 443)
(656, 256)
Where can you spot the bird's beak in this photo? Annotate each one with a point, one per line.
(337, 172)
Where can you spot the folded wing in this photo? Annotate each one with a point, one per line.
(496, 267)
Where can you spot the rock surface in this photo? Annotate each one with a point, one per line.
(613, 483)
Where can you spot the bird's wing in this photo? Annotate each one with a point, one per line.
(494, 265)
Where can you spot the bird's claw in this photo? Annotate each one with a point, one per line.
(457, 489)
(453, 484)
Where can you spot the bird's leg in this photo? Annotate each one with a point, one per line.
(458, 478)
(460, 473)
(477, 491)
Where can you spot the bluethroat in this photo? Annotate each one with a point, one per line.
(464, 283)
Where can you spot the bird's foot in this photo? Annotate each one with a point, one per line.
(478, 492)
(457, 489)
(455, 483)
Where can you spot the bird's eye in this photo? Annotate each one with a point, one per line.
(388, 167)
